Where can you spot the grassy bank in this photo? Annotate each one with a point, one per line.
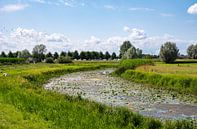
(25, 104)
(177, 77)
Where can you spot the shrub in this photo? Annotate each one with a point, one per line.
(64, 59)
(12, 60)
(168, 52)
(49, 60)
(131, 64)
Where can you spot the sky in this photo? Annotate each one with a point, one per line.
(97, 25)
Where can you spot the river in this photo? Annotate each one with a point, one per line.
(99, 86)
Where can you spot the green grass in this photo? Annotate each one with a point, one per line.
(180, 77)
(25, 104)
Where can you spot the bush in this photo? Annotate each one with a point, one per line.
(131, 64)
(168, 52)
(64, 59)
(49, 60)
(12, 60)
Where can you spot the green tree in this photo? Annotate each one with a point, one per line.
(38, 52)
(76, 55)
(3, 54)
(168, 52)
(130, 53)
(55, 55)
(124, 47)
(63, 53)
(192, 51)
(107, 55)
(10, 54)
(24, 54)
(49, 55)
(101, 55)
(82, 55)
(139, 53)
(113, 56)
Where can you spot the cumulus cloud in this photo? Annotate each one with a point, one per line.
(21, 38)
(192, 9)
(13, 7)
(135, 34)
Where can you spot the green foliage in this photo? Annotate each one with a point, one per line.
(168, 52)
(192, 51)
(124, 47)
(38, 52)
(56, 55)
(64, 59)
(12, 60)
(10, 54)
(49, 60)
(180, 84)
(24, 54)
(131, 64)
(3, 54)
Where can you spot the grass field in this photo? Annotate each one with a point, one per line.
(25, 104)
(183, 69)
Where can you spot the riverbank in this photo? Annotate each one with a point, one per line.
(26, 104)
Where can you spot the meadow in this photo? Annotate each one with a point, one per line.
(25, 104)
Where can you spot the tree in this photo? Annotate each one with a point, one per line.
(24, 54)
(49, 55)
(16, 54)
(55, 55)
(70, 54)
(107, 55)
(10, 54)
(139, 53)
(130, 53)
(124, 47)
(76, 55)
(63, 53)
(192, 51)
(38, 52)
(113, 56)
(82, 55)
(3, 54)
(101, 55)
(168, 52)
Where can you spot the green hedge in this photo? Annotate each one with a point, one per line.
(12, 60)
(168, 81)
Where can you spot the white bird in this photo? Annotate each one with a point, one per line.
(5, 74)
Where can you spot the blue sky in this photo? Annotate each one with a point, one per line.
(97, 24)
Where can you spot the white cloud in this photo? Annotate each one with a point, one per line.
(166, 14)
(109, 7)
(13, 7)
(135, 34)
(93, 40)
(192, 9)
(21, 38)
(141, 9)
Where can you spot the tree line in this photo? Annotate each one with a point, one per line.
(168, 53)
(39, 53)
